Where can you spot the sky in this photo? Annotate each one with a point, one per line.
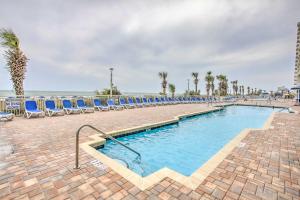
(72, 44)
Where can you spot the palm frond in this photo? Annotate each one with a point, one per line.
(9, 39)
(195, 75)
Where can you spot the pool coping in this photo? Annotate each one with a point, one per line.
(192, 181)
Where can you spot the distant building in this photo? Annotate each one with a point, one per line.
(297, 60)
(297, 68)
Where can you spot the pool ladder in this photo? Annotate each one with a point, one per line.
(106, 136)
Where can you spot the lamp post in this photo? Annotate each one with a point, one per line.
(111, 83)
(188, 82)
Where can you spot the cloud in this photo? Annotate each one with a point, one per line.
(77, 41)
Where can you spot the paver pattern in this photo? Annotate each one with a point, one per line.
(41, 167)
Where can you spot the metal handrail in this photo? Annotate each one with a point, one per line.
(106, 136)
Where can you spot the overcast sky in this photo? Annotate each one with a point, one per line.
(71, 44)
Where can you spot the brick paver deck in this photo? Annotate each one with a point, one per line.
(41, 167)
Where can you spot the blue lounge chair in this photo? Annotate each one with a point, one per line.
(31, 109)
(111, 104)
(124, 104)
(131, 102)
(6, 116)
(83, 107)
(157, 101)
(186, 100)
(146, 102)
(163, 101)
(171, 100)
(51, 108)
(168, 101)
(176, 100)
(180, 100)
(99, 106)
(138, 102)
(151, 101)
(68, 107)
(193, 100)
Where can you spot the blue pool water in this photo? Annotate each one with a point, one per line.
(185, 146)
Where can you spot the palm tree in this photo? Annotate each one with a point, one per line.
(243, 90)
(234, 87)
(163, 76)
(223, 84)
(255, 91)
(15, 58)
(212, 85)
(208, 79)
(240, 90)
(251, 91)
(196, 80)
(248, 90)
(172, 89)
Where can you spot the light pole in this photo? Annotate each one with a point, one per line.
(188, 81)
(111, 83)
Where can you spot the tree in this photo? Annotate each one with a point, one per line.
(234, 87)
(15, 58)
(259, 91)
(243, 90)
(115, 91)
(212, 85)
(163, 76)
(209, 81)
(223, 84)
(248, 90)
(172, 89)
(196, 81)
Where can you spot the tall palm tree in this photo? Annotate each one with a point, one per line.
(163, 76)
(243, 90)
(234, 87)
(240, 90)
(15, 58)
(196, 81)
(255, 91)
(251, 91)
(172, 89)
(212, 85)
(223, 84)
(208, 79)
(220, 79)
(248, 90)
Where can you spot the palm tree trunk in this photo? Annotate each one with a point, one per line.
(18, 86)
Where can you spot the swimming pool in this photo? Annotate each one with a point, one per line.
(188, 144)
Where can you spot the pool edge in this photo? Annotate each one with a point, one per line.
(192, 181)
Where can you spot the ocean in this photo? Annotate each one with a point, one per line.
(8, 93)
